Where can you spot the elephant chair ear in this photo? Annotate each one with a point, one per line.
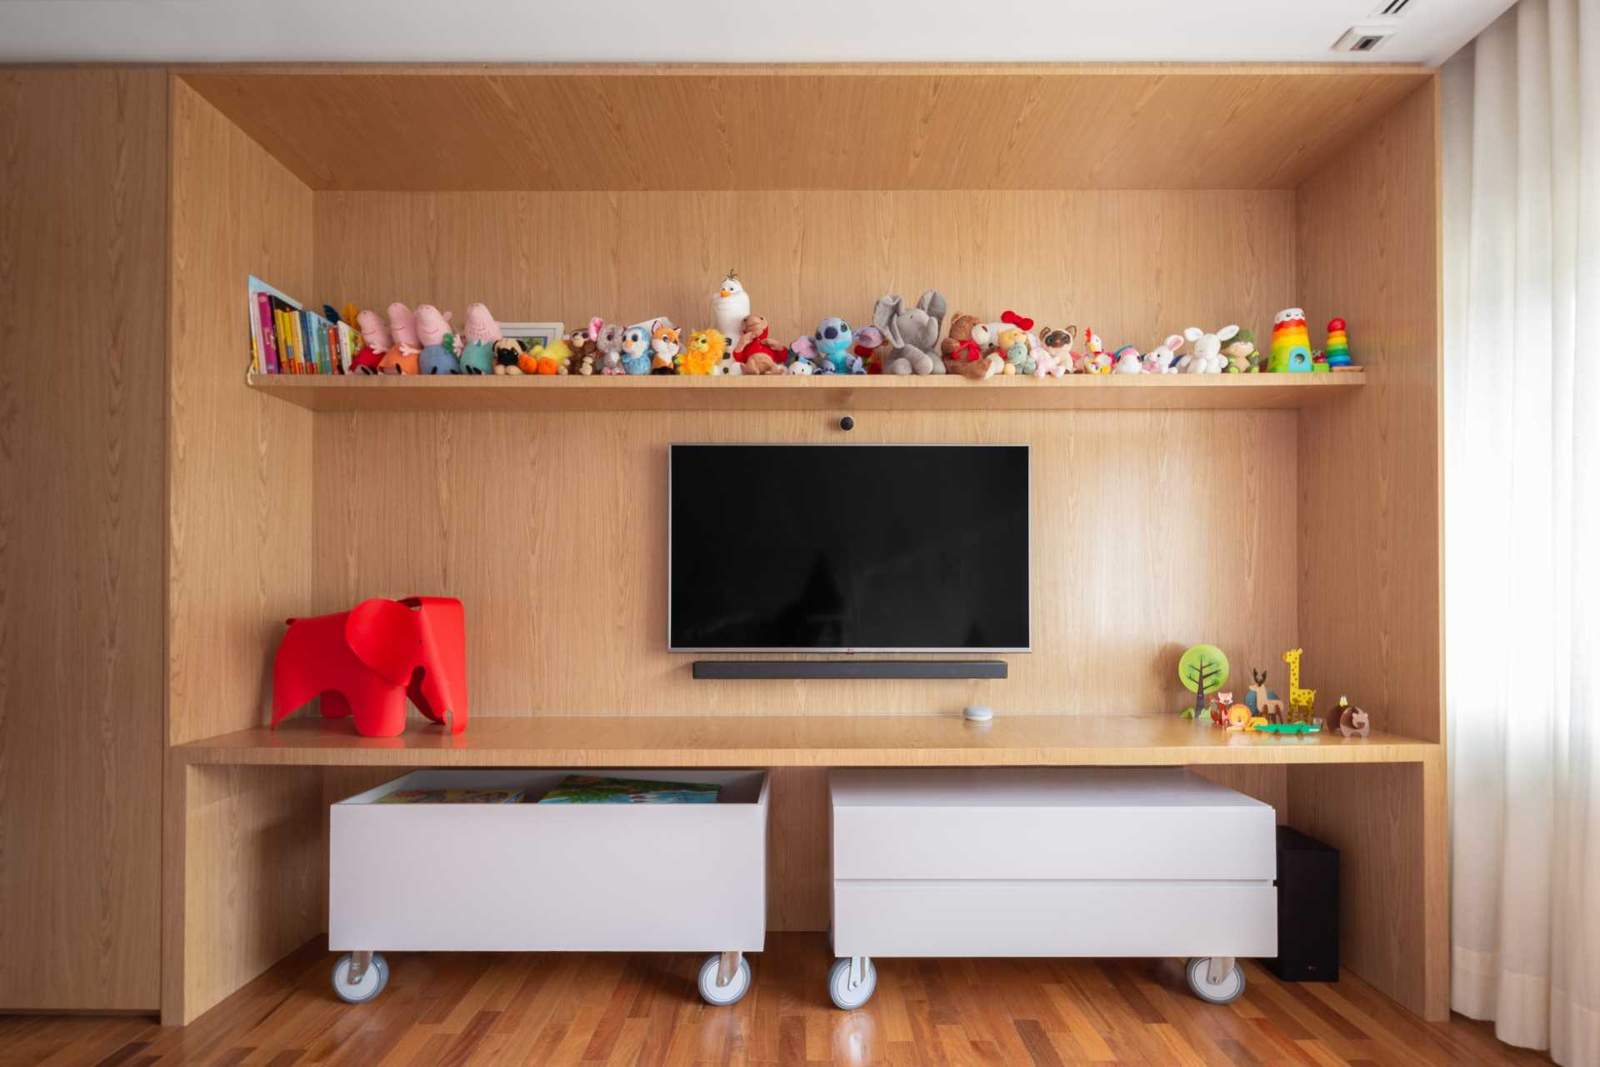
(933, 303)
(383, 634)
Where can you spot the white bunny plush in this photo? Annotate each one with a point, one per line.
(1162, 358)
(1206, 357)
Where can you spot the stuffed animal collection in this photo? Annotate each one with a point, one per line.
(901, 339)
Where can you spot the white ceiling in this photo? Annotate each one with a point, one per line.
(741, 31)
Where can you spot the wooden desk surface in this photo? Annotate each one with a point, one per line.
(808, 741)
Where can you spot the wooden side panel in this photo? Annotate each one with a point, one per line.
(1370, 543)
(1370, 476)
(1134, 265)
(241, 506)
(244, 845)
(83, 169)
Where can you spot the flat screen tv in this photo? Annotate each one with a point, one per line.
(846, 548)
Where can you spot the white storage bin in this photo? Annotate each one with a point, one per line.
(1049, 862)
(540, 877)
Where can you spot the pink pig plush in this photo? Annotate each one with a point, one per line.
(402, 356)
(439, 347)
(375, 343)
(481, 332)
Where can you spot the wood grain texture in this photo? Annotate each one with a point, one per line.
(83, 173)
(802, 127)
(1370, 541)
(240, 524)
(1116, 392)
(560, 556)
(1135, 265)
(1370, 471)
(243, 861)
(565, 1010)
(742, 740)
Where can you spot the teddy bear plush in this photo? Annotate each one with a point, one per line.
(913, 332)
(961, 353)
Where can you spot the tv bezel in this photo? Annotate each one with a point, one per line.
(1027, 558)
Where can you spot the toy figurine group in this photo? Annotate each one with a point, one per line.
(1203, 670)
(901, 339)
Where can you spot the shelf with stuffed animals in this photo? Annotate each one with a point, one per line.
(909, 358)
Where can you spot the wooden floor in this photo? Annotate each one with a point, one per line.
(571, 1009)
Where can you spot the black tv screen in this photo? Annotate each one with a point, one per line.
(848, 548)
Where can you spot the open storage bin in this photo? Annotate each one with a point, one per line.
(549, 877)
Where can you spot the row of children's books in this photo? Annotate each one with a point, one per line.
(286, 338)
(573, 789)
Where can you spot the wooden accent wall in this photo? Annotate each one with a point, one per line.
(246, 846)
(1370, 536)
(83, 170)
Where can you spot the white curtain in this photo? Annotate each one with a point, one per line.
(1522, 524)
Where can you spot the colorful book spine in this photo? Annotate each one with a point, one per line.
(268, 333)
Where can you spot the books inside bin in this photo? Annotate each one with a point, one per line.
(453, 796)
(589, 789)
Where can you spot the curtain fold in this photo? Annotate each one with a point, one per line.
(1521, 152)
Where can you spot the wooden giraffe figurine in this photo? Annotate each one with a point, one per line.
(1302, 702)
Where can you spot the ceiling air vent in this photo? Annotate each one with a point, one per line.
(1365, 38)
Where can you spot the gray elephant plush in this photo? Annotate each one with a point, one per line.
(913, 333)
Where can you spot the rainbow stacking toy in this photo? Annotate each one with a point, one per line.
(1338, 344)
(1291, 342)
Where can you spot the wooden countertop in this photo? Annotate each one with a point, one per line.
(794, 741)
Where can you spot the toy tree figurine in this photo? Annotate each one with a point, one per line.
(1203, 670)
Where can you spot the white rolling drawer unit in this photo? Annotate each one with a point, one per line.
(1088, 861)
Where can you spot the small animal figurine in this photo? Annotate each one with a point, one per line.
(375, 342)
(912, 333)
(1338, 350)
(1241, 354)
(1302, 702)
(730, 306)
(1094, 359)
(439, 347)
(1127, 360)
(634, 356)
(1353, 722)
(1016, 352)
(755, 351)
(1058, 342)
(1163, 358)
(607, 338)
(402, 358)
(664, 347)
(479, 332)
(1263, 701)
(508, 356)
(1205, 355)
(1291, 343)
(1238, 718)
(702, 352)
(833, 340)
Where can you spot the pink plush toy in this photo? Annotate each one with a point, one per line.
(439, 346)
(375, 342)
(402, 356)
(481, 332)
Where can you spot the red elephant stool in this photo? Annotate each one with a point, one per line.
(366, 661)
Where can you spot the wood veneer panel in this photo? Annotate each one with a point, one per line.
(83, 172)
(1370, 541)
(1135, 265)
(740, 740)
(242, 873)
(802, 127)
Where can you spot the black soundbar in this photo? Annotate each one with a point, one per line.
(772, 669)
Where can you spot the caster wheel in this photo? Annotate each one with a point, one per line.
(847, 997)
(371, 984)
(720, 996)
(1226, 991)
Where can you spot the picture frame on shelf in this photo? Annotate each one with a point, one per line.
(529, 334)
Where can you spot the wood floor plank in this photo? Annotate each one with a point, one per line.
(556, 1010)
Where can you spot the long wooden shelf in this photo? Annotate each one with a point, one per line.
(854, 393)
(795, 741)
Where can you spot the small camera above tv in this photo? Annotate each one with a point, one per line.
(848, 548)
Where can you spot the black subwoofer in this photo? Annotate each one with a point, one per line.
(1308, 909)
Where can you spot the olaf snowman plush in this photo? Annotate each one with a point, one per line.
(730, 305)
